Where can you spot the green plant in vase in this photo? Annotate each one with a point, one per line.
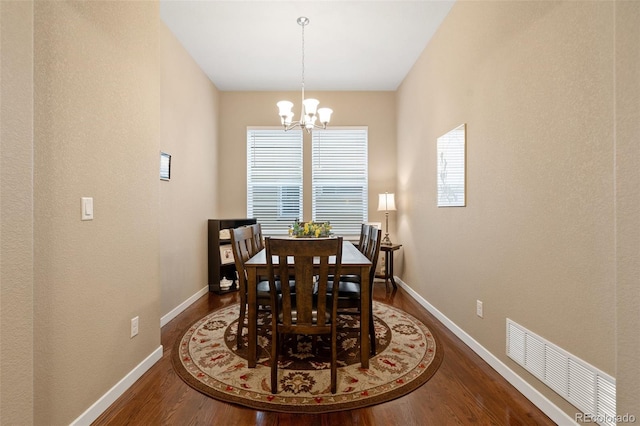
(311, 229)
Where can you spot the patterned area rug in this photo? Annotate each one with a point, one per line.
(207, 359)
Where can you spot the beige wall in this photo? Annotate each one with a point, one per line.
(627, 205)
(536, 243)
(189, 132)
(97, 122)
(16, 212)
(99, 125)
(241, 109)
(553, 202)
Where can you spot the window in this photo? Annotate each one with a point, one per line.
(274, 178)
(339, 179)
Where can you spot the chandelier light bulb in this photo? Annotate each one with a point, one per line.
(310, 106)
(309, 122)
(284, 108)
(324, 115)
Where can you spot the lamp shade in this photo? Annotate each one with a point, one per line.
(386, 202)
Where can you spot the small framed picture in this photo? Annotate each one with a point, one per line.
(226, 254)
(165, 166)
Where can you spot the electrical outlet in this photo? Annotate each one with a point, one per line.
(134, 327)
(479, 311)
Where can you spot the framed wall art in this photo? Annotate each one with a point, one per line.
(165, 166)
(451, 149)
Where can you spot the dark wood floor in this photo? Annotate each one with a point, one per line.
(464, 391)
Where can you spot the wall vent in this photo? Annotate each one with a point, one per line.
(592, 391)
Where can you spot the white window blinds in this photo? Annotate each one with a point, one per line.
(274, 178)
(340, 178)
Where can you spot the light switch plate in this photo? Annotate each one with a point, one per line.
(134, 326)
(87, 208)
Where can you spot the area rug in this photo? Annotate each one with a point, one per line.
(408, 354)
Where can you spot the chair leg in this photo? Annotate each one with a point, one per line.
(243, 308)
(334, 360)
(275, 338)
(372, 328)
(372, 334)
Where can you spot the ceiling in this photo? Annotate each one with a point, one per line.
(349, 45)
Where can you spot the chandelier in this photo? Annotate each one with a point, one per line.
(309, 111)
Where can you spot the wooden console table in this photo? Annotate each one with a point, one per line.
(388, 263)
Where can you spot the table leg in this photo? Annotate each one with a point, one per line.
(252, 282)
(390, 271)
(365, 295)
(386, 271)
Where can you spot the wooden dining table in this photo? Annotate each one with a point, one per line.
(353, 262)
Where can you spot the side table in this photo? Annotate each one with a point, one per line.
(388, 263)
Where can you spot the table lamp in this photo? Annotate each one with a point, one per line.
(386, 203)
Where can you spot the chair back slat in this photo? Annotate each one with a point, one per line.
(365, 239)
(257, 236)
(373, 250)
(286, 290)
(364, 234)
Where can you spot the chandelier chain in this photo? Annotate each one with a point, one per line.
(302, 24)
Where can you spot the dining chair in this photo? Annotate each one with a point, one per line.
(312, 309)
(349, 289)
(244, 247)
(363, 246)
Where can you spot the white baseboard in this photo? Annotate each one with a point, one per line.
(531, 393)
(114, 393)
(181, 307)
(117, 390)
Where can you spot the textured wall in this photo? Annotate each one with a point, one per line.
(628, 205)
(189, 132)
(241, 109)
(536, 243)
(16, 212)
(97, 122)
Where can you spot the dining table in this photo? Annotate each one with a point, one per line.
(353, 263)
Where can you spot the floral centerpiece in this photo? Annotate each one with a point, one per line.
(310, 229)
